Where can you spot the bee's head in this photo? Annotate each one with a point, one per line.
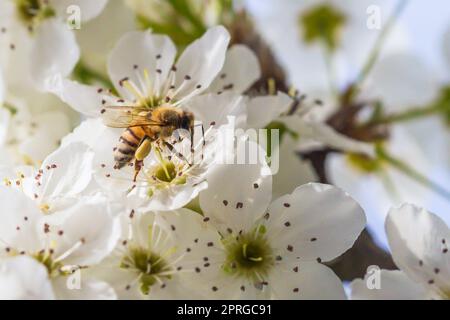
(187, 121)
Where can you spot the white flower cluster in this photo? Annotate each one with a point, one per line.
(84, 216)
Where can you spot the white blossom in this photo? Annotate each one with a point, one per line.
(78, 236)
(273, 249)
(153, 259)
(37, 41)
(419, 243)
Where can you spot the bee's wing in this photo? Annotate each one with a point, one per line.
(125, 117)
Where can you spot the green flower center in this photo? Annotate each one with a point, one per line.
(149, 265)
(248, 255)
(365, 163)
(322, 24)
(31, 12)
(53, 268)
(164, 174)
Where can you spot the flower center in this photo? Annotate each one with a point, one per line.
(31, 12)
(364, 163)
(163, 174)
(248, 255)
(149, 265)
(322, 24)
(45, 257)
(45, 208)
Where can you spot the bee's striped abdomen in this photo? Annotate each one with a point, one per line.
(128, 143)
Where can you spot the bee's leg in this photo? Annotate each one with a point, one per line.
(138, 164)
(141, 153)
(174, 151)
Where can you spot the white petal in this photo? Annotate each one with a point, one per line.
(394, 285)
(209, 108)
(2, 88)
(326, 135)
(262, 110)
(60, 124)
(7, 14)
(55, 53)
(89, 9)
(311, 281)
(241, 70)
(175, 289)
(68, 288)
(237, 194)
(20, 217)
(202, 60)
(316, 220)
(114, 181)
(293, 171)
(5, 117)
(87, 132)
(89, 226)
(137, 51)
(186, 227)
(82, 98)
(23, 278)
(37, 147)
(196, 239)
(419, 242)
(114, 21)
(362, 187)
(16, 63)
(47, 137)
(171, 198)
(72, 174)
(123, 281)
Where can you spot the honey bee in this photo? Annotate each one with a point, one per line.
(144, 127)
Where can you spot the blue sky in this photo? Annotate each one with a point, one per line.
(426, 21)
